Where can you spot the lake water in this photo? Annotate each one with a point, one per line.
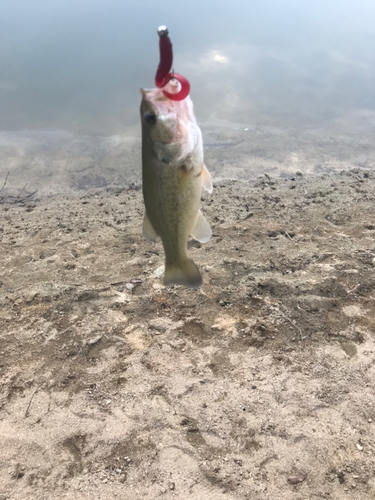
(277, 86)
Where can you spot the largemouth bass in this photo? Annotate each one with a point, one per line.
(173, 174)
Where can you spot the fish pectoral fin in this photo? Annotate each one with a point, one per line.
(201, 230)
(148, 231)
(206, 179)
(186, 273)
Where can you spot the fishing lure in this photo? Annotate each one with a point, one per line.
(163, 74)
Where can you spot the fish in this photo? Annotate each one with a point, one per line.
(173, 175)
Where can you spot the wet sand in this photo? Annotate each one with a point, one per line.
(258, 386)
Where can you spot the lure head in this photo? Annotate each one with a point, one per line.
(163, 31)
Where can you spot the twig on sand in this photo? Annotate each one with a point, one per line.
(6, 178)
(287, 234)
(22, 190)
(9, 198)
(297, 328)
(29, 195)
(31, 400)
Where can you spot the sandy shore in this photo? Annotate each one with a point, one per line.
(258, 386)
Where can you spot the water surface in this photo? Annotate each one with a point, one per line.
(271, 82)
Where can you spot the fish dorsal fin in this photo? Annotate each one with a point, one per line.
(148, 231)
(206, 179)
(201, 230)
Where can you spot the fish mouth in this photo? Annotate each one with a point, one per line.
(158, 95)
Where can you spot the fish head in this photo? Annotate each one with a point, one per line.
(169, 125)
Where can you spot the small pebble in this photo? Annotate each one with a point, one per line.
(296, 479)
(159, 325)
(359, 447)
(94, 340)
(158, 272)
(30, 298)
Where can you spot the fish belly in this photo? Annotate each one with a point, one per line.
(172, 199)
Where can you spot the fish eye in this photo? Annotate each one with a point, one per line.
(150, 118)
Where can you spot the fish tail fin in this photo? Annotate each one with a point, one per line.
(186, 273)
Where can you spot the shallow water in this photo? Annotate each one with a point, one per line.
(277, 86)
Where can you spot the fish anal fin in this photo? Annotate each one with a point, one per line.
(186, 273)
(148, 231)
(201, 230)
(206, 179)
